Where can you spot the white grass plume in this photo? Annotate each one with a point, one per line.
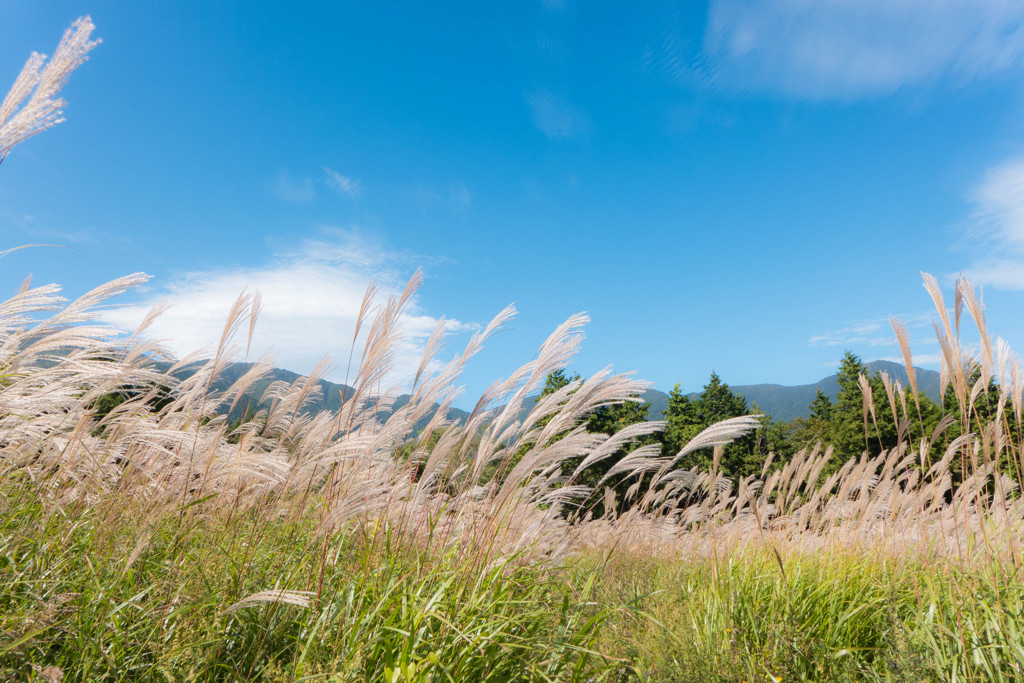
(32, 105)
(493, 486)
(273, 597)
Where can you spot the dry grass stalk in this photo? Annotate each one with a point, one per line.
(494, 485)
(273, 597)
(32, 105)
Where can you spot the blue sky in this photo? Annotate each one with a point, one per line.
(750, 186)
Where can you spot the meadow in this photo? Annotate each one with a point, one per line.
(145, 535)
(161, 541)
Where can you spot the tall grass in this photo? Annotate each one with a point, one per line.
(157, 540)
(154, 539)
(216, 600)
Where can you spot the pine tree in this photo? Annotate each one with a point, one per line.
(718, 402)
(556, 380)
(682, 422)
(687, 417)
(816, 427)
(821, 408)
(774, 438)
(847, 433)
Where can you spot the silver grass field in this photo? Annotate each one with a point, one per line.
(161, 540)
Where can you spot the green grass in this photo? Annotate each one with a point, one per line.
(172, 546)
(387, 611)
(397, 609)
(835, 617)
(143, 538)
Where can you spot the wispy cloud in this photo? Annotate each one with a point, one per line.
(997, 273)
(873, 339)
(920, 360)
(667, 58)
(872, 332)
(867, 332)
(999, 205)
(343, 184)
(853, 48)
(996, 228)
(296, 191)
(668, 52)
(311, 299)
(555, 116)
(38, 228)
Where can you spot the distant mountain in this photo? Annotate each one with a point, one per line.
(779, 401)
(331, 393)
(657, 402)
(788, 402)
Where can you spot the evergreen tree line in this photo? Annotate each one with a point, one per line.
(850, 425)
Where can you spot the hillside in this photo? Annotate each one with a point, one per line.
(780, 401)
(330, 398)
(787, 402)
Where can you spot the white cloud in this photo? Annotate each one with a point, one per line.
(852, 48)
(311, 299)
(860, 333)
(996, 228)
(869, 338)
(999, 205)
(920, 360)
(555, 116)
(997, 273)
(343, 184)
(874, 332)
(291, 190)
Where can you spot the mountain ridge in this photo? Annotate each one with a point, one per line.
(782, 402)
(786, 402)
